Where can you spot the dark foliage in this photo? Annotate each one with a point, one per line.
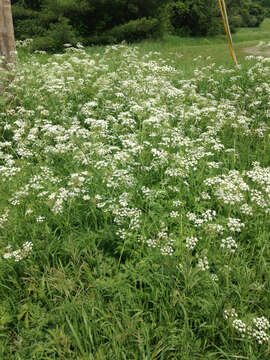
(89, 21)
(195, 17)
(202, 17)
(54, 22)
(56, 37)
(134, 30)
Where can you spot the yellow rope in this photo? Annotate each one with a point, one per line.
(223, 11)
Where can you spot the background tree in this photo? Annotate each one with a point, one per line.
(195, 17)
(265, 4)
(202, 17)
(7, 40)
(54, 22)
(51, 23)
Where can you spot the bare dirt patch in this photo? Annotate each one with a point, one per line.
(262, 49)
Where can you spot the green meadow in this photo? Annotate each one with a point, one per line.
(135, 201)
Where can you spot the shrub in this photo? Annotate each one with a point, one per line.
(58, 35)
(251, 15)
(179, 12)
(134, 30)
(216, 27)
(20, 12)
(26, 23)
(236, 21)
(27, 28)
(266, 6)
(197, 17)
(257, 14)
(202, 17)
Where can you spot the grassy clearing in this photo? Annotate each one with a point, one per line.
(181, 52)
(134, 206)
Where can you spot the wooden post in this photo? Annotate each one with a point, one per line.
(7, 39)
(224, 15)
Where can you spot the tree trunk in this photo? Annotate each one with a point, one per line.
(7, 40)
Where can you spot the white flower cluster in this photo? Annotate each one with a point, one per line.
(228, 188)
(28, 212)
(257, 330)
(23, 43)
(229, 314)
(261, 323)
(214, 277)
(177, 203)
(18, 254)
(174, 214)
(166, 250)
(246, 209)
(191, 242)
(205, 217)
(229, 244)
(163, 242)
(260, 335)
(152, 243)
(219, 229)
(240, 326)
(213, 164)
(261, 177)
(235, 224)
(4, 218)
(7, 172)
(203, 264)
(205, 196)
(258, 198)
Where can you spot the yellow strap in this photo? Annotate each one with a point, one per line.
(227, 28)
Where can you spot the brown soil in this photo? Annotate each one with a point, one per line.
(259, 50)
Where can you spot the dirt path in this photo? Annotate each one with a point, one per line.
(262, 49)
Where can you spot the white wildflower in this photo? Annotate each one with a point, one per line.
(214, 277)
(246, 209)
(230, 313)
(4, 218)
(19, 254)
(261, 323)
(174, 214)
(235, 224)
(166, 250)
(229, 244)
(240, 326)
(191, 242)
(203, 264)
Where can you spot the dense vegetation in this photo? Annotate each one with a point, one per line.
(53, 23)
(135, 201)
(266, 5)
(202, 17)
